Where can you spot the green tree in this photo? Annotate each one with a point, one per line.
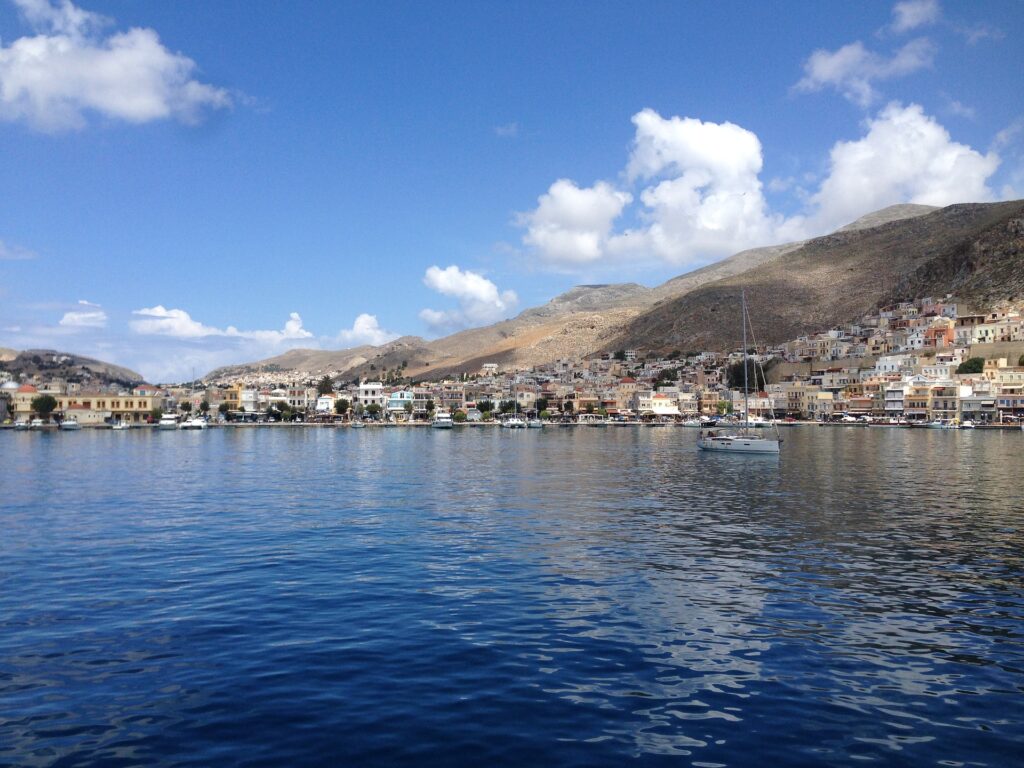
(407, 407)
(43, 406)
(602, 412)
(589, 408)
(222, 409)
(541, 404)
(507, 406)
(185, 406)
(620, 354)
(430, 406)
(156, 414)
(325, 386)
(545, 414)
(973, 365)
(1020, 361)
(204, 407)
(341, 406)
(755, 376)
(485, 406)
(459, 417)
(373, 409)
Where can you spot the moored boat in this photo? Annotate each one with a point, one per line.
(70, 425)
(168, 421)
(442, 420)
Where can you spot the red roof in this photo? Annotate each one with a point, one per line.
(627, 380)
(27, 388)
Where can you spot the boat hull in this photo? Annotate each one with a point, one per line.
(738, 444)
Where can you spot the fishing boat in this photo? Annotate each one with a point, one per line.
(744, 439)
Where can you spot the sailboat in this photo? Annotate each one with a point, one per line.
(745, 440)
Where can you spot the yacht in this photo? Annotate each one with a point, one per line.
(21, 425)
(36, 424)
(168, 421)
(442, 420)
(196, 422)
(535, 424)
(121, 425)
(70, 425)
(743, 440)
(514, 422)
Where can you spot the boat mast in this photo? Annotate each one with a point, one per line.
(746, 397)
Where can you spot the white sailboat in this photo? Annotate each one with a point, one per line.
(744, 440)
(442, 420)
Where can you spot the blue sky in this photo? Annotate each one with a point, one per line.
(189, 184)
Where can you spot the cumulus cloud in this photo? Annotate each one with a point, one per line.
(91, 317)
(852, 69)
(69, 68)
(177, 323)
(15, 253)
(904, 157)
(570, 224)
(480, 301)
(365, 330)
(701, 197)
(911, 14)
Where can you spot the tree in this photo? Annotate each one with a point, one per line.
(156, 414)
(373, 409)
(755, 376)
(325, 386)
(204, 407)
(507, 406)
(973, 365)
(485, 406)
(459, 417)
(545, 414)
(341, 406)
(185, 406)
(590, 408)
(602, 412)
(430, 406)
(1020, 362)
(222, 409)
(620, 354)
(541, 404)
(407, 407)
(43, 405)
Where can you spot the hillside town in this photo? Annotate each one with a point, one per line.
(912, 363)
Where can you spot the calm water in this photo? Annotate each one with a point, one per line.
(571, 597)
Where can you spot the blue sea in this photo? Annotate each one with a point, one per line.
(565, 597)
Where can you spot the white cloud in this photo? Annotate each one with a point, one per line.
(506, 131)
(904, 157)
(69, 68)
(177, 323)
(92, 317)
(959, 109)
(571, 224)
(365, 330)
(701, 195)
(852, 69)
(911, 14)
(480, 301)
(15, 253)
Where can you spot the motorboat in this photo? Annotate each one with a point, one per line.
(196, 422)
(968, 424)
(358, 425)
(21, 425)
(442, 420)
(168, 421)
(121, 425)
(514, 422)
(70, 425)
(535, 424)
(36, 424)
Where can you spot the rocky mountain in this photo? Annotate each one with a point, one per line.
(580, 322)
(975, 251)
(7, 354)
(74, 368)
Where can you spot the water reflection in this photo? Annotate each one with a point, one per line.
(576, 596)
